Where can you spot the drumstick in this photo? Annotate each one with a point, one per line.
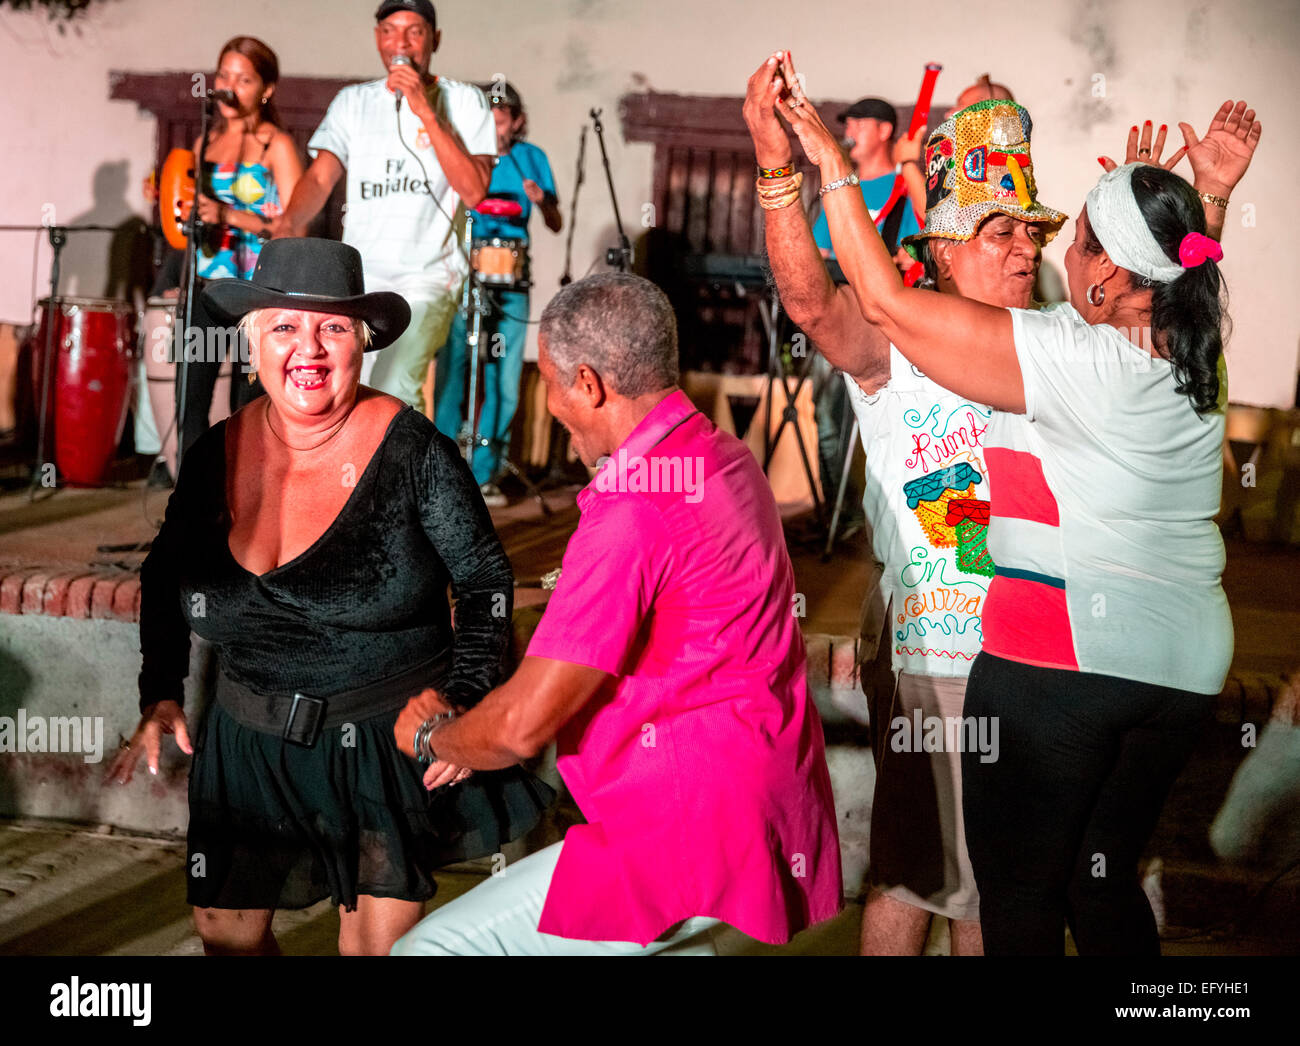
(921, 114)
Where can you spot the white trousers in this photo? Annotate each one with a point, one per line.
(401, 368)
(500, 918)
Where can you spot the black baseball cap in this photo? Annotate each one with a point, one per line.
(871, 109)
(420, 7)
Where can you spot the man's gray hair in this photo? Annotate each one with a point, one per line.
(621, 326)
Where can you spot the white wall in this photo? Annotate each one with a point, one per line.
(1161, 59)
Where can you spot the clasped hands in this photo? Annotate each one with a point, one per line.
(426, 705)
(775, 88)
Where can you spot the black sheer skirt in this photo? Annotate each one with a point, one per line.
(275, 825)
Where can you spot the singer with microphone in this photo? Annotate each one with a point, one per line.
(415, 147)
(251, 165)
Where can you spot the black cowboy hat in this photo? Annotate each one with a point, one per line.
(315, 276)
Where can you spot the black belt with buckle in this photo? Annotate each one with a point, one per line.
(299, 718)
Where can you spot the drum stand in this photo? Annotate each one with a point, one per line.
(473, 308)
(58, 239)
(58, 236)
(771, 315)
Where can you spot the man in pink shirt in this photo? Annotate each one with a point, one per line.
(669, 667)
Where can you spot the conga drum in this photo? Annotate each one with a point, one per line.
(91, 379)
(160, 372)
(157, 331)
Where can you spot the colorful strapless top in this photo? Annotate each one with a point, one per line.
(231, 252)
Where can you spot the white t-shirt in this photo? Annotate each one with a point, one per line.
(408, 237)
(1104, 491)
(924, 449)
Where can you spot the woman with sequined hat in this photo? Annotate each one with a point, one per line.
(1106, 633)
(311, 539)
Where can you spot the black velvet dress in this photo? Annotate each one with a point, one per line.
(277, 825)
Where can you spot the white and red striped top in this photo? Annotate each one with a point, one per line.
(1102, 497)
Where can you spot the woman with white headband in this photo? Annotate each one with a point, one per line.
(1106, 633)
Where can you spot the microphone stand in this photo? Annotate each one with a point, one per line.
(567, 278)
(621, 256)
(186, 319)
(472, 308)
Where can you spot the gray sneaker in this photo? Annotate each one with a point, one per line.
(492, 496)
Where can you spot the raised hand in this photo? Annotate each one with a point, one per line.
(906, 148)
(771, 144)
(1220, 159)
(1142, 150)
(819, 145)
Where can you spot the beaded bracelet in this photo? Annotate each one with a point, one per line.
(784, 171)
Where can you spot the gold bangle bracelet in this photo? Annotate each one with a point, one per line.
(790, 184)
(1218, 201)
(778, 204)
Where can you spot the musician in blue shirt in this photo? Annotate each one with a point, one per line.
(521, 180)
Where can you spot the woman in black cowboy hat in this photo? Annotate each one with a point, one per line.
(311, 539)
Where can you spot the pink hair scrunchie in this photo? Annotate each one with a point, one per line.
(1195, 248)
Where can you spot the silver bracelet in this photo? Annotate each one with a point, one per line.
(424, 731)
(839, 183)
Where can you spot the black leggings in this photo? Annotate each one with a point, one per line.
(1056, 824)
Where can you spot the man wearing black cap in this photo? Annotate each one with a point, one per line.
(415, 147)
(869, 125)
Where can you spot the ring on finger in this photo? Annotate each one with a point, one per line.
(1144, 152)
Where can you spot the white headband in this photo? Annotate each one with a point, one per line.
(1117, 220)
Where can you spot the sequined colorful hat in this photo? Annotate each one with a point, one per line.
(976, 164)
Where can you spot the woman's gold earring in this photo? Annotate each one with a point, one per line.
(252, 376)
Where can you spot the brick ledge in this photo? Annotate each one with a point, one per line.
(102, 593)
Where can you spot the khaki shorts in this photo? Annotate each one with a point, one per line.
(918, 840)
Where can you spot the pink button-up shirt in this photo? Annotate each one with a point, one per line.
(700, 767)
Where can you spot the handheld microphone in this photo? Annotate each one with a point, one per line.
(226, 97)
(401, 59)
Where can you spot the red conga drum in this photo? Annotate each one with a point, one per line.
(90, 382)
